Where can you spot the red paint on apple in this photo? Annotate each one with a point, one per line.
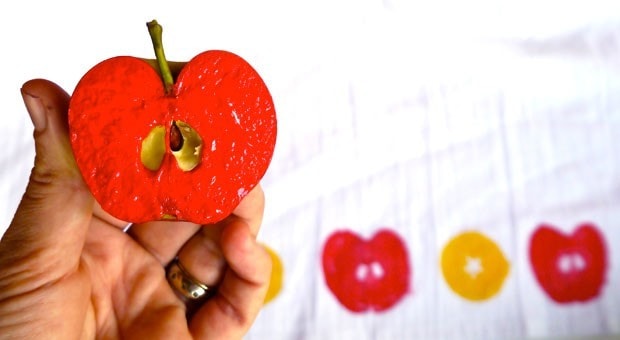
(218, 94)
(569, 267)
(366, 274)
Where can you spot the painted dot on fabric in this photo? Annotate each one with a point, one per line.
(569, 267)
(366, 275)
(277, 275)
(474, 266)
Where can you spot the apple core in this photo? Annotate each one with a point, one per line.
(185, 145)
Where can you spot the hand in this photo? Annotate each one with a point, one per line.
(68, 270)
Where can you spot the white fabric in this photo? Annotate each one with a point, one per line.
(429, 118)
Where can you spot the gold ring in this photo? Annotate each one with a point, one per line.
(184, 284)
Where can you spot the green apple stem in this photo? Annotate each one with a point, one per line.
(155, 31)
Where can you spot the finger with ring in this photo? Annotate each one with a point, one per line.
(185, 284)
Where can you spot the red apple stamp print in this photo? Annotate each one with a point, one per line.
(569, 267)
(153, 147)
(366, 274)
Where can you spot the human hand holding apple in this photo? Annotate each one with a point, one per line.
(151, 147)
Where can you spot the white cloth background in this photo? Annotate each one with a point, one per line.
(428, 117)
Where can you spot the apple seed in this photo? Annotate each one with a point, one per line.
(154, 148)
(176, 139)
(189, 149)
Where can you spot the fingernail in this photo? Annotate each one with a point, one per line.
(36, 110)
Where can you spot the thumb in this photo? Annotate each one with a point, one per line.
(45, 238)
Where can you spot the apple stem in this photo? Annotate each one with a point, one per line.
(155, 31)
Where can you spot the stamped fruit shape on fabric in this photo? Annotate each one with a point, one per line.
(366, 274)
(474, 266)
(276, 281)
(569, 267)
(186, 149)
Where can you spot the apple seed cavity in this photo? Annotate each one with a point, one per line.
(185, 145)
(188, 149)
(154, 148)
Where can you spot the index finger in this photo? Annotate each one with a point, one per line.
(241, 294)
(251, 209)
